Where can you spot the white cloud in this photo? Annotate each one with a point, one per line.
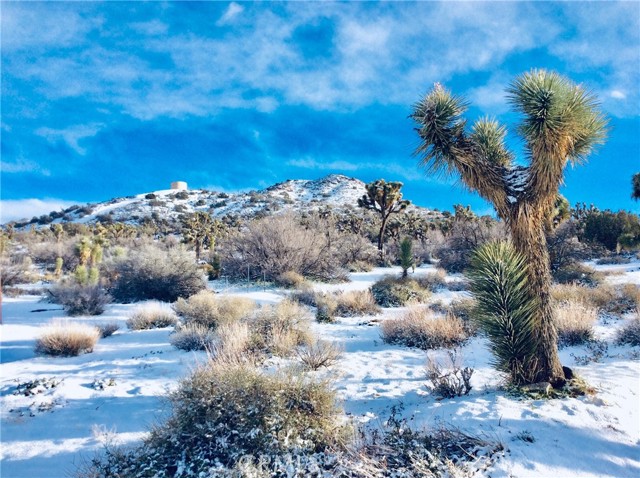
(71, 135)
(22, 166)
(617, 94)
(17, 209)
(232, 11)
(389, 167)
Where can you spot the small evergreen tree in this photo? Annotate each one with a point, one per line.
(406, 255)
(635, 184)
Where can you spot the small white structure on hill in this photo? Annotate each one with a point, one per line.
(180, 185)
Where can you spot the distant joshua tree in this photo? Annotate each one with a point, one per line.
(561, 124)
(635, 184)
(201, 230)
(385, 199)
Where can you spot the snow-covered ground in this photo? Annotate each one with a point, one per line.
(116, 393)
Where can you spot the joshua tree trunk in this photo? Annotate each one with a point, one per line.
(527, 234)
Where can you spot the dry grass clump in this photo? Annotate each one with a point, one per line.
(629, 334)
(606, 298)
(395, 292)
(330, 305)
(433, 281)
(420, 327)
(67, 339)
(232, 340)
(279, 329)
(574, 322)
(208, 309)
(356, 303)
(151, 317)
(319, 354)
(291, 280)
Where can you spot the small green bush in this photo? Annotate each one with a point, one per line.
(393, 292)
(65, 339)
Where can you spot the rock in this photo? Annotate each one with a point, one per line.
(540, 387)
(568, 373)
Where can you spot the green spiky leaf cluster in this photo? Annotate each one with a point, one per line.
(506, 308)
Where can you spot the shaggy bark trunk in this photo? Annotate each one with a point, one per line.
(527, 233)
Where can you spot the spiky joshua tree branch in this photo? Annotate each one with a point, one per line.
(560, 124)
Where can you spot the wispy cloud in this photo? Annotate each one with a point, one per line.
(71, 135)
(233, 10)
(22, 166)
(17, 209)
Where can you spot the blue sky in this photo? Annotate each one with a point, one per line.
(101, 100)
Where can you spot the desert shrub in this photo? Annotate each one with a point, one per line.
(67, 339)
(605, 298)
(15, 269)
(192, 337)
(274, 245)
(78, 299)
(326, 307)
(208, 309)
(151, 317)
(613, 260)
(577, 273)
(574, 322)
(279, 329)
(449, 379)
(356, 303)
(564, 247)
(433, 281)
(157, 274)
(290, 279)
(320, 354)
(505, 310)
(225, 412)
(107, 329)
(611, 229)
(419, 327)
(232, 341)
(393, 292)
(629, 334)
(466, 232)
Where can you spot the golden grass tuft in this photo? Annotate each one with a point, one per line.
(420, 327)
(574, 322)
(67, 339)
(208, 309)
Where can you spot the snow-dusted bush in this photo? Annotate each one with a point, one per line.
(78, 299)
(154, 273)
(227, 414)
(630, 333)
(319, 354)
(192, 337)
(577, 273)
(279, 329)
(574, 322)
(606, 298)
(394, 292)
(419, 327)
(450, 378)
(151, 317)
(107, 329)
(67, 339)
(208, 309)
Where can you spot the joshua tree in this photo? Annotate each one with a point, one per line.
(406, 255)
(200, 229)
(386, 199)
(561, 124)
(635, 184)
